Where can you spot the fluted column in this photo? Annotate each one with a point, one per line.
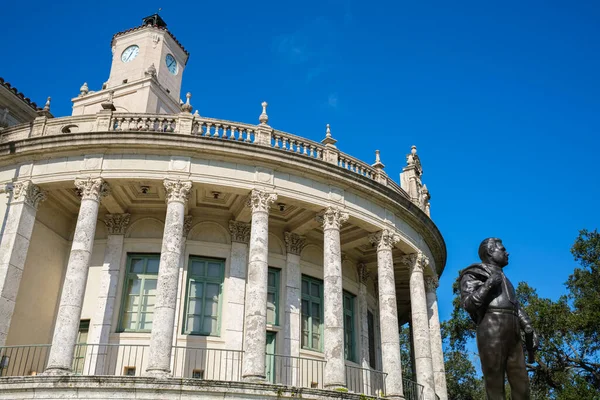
(435, 336)
(255, 341)
(293, 280)
(13, 250)
(161, 337)
(333, 334)
(71, 300)
(388, 313)
(363, 309)
(420, 324)
(109, 281)
(234, 326)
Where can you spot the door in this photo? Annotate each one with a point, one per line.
(270, 354)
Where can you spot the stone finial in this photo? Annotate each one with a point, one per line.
(177, 190)
(84, 89)
(187, 107)
(378, 164)
(240, 231)
(329, 140)
(196, 113)
(108, 103)
(264, 118)
(384, 239)
(47, 105)
(92, 188)
(332, 218)
(151, 71)
(294, 243)
(29, 193)
(116, 224)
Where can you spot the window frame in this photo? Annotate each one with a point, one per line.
(308, 297)
(350, 352)
(276, 292)
(189, 277)
(144, 276)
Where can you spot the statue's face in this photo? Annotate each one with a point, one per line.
(499, 256)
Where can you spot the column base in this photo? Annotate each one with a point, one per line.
(57, 371)
(254, 378)
(158, 374)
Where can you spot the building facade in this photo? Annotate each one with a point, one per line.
(150, 252)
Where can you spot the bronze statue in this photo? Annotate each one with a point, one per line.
(490, 299)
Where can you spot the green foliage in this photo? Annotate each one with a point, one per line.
(406, 354)
(568, 360)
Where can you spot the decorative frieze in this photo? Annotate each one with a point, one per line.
(117, 223)
(363, 273)
(332, 218)
(260, 201)
(29, 193)
(431, 283)
(240, 231)
(294, 243)
(177, 190)
(384, 239)
(92, 188)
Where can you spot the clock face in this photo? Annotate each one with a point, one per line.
(171, 64)
(130, 53)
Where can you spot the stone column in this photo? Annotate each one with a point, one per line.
(109, 281)
(388, 313)
(291, 341)
(363, 309)
(435, 336)
(234, 325)
(255, 341)
(420, 324)
(71, 300)
(13, 250)
(333, 335)
(161, 337)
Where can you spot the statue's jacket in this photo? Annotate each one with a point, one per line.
(478, 296)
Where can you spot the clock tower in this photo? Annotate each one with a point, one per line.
(145, 75)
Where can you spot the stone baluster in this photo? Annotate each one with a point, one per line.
(253, 368)
(71, 300)
(291, 343)
(100, 328)
(161, 337)
(240, 237)
(420, 324)
(435, 336)
(26, 197)
(388, 312)
(333, 335)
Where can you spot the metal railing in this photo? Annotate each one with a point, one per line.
(204, 363)
(110, 359)
(295, 371)
(23, 360)
(365, 380)
(412, 390)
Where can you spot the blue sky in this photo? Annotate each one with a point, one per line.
(501, 100)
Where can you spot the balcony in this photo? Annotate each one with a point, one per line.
(201, 364)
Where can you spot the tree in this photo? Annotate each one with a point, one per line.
(567, 363)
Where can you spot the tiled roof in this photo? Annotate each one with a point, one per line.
(154, 26)
(20, 95)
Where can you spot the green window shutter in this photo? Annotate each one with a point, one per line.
(349, 334)
(204, 296)
(139, 293)
(312, 313)
(273, 297)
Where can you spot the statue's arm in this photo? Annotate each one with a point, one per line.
(474, 293)
(524, 319)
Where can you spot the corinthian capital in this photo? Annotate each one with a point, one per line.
(92, 188)
(294, 243)
(29, 193)
(177, 190)
(260, 201)
(416, 262)
(240, 232)
(385, 239)
(332, 218)
(431, 283)
(116, 223)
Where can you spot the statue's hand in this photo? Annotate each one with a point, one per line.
(532, 340)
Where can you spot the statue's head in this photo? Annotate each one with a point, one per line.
(492, 251)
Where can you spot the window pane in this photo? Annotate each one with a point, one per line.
(271, 279)
(314, 290)
(214, 270)
(132, 303)
(147, 304)
(193, 324)
(146, 321)
(315, 312)
(305, 309)
(210, 325)
(150, 287)
(134, 286)
(316, 342)
(129, 320)
(137, 265)
(197, 268)
(212, 291)
(211, 308)
(195, 306)
(152, 266)
(196, 289)
(305, 287)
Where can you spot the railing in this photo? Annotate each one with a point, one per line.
(23, 360)
(365, 380)
(295, 371)
(110, 359)
(209, 364)
(296, 144)
(412, 390)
